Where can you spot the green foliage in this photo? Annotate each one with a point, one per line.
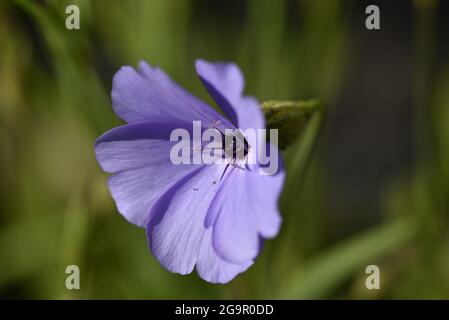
(55, 100)
(323, 274)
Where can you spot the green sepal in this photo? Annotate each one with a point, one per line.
(289, 117)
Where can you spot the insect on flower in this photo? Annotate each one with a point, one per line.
(235, 148)
(208, 217)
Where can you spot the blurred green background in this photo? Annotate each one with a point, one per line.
(377, 184)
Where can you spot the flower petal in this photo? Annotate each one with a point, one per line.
(177, 235)
(263, 195)
(245, 211)
(148, 94)
(249, 114)
(139, 156)
(134, 146)
(235, 234)
(224, 82)
(211, 267)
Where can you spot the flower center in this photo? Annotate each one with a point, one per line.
(235, 146)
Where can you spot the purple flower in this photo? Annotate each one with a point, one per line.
(196, 216)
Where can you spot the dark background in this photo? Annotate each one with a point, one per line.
(376, 189)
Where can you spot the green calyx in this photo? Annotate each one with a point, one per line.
(290, 118)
